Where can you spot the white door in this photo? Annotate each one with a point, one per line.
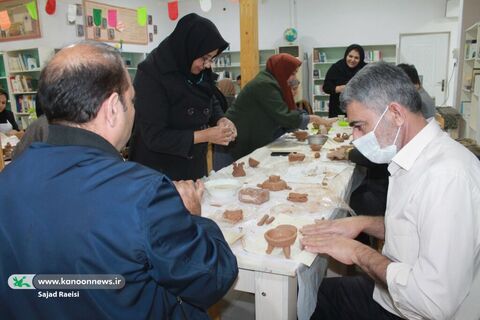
(428, 52)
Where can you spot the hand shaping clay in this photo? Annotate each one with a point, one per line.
(253, 195)
(301, 135)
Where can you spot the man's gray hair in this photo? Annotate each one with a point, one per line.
(379, 84)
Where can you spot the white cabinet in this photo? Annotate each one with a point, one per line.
(470, 95)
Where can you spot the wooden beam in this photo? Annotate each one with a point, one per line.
(249, 56)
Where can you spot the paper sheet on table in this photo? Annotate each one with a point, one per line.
(13, 140)
(231, 236)
(255, 241)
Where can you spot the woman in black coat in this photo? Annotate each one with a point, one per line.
(177, 112)
(339, 74)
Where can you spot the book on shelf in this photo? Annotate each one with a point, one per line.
(318, 89)
(316, 73)
(22, 62)
(470, 49)
(316, 55)
(25, 103)
(320, 106)
(21, 83)
(323, 57)
(373, 55)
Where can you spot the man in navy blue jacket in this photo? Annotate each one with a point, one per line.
(73, 206)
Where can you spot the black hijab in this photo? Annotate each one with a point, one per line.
(342, 64)
(192, 38)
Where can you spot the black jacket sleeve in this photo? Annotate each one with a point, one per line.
(331, 80)
(11, 119)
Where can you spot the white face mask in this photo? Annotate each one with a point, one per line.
(368, 145)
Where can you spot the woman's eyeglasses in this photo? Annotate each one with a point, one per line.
(209, 60)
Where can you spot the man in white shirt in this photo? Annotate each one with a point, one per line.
(429, 266)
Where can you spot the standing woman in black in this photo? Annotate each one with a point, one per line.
(339, 74)
(177, 113)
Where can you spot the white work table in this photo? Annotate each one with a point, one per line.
(273, 278)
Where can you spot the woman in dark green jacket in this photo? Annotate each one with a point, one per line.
(265, 105)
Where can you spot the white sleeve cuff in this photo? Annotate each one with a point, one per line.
(397, 275)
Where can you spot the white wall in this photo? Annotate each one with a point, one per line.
(318, 22)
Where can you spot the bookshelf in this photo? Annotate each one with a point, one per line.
(470, 95)
(323, 58)
(132, 60)
(22, 72)
(227, 64)
(4, 78)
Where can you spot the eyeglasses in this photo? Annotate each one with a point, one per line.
(209, 60)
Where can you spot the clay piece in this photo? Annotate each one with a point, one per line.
(283, 237)
(233, 215)
(253, 163)
(316, 147)
(261, 222)
(301, 135)
(297, 197)
(338, 138)
(7, 151)
(295, 156)
(339, 153)
(253, 195)
(270, 220)
(317, 155)
(274, 183)
(238, 170)
(345, 136)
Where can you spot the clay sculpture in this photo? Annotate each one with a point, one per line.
(338, 138)
(297, 197)
(317, 155)
(339, 153)
(233, 215)
(283, 237)
(274, 183)
(253, 163)
(301, 135)
(316, 147)
(295, 156)
(345, 136)
(238, 170)
(7, 151)
(253, 195)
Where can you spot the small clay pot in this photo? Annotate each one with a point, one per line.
(345, 136)
(301, 135)
(316, 147)
(283, 237)
(317, 155)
